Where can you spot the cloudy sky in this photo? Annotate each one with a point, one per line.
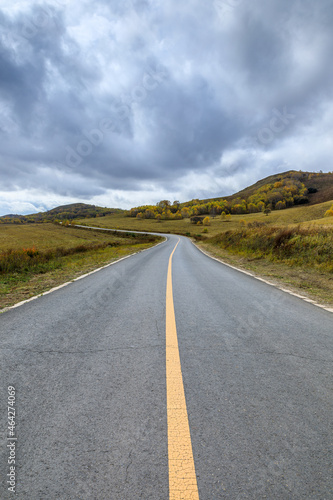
(126, 102)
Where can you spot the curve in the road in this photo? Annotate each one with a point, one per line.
(88, 363)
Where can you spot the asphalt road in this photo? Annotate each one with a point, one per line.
(88, 363)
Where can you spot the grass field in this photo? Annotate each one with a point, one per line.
(37, 257)
(302, 214)
(303, 262)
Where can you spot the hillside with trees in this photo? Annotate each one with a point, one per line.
(276, 192)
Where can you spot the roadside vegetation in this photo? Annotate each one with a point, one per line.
(292, 247)
(280, 227)
(303, 214)
(312, 281)
(300, 256)
(37, 257)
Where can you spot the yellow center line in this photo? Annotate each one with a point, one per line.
(182, 477)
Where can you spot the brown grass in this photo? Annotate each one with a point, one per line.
(29, 270)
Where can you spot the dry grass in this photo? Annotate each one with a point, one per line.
(310, 283)
(99, 248)
(295, 215)
(300, 273)
(296, 246)
(46, 236)
(37, 257)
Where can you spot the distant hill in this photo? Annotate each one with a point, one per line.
(293, 187)
(276, 192)
(64, 212)
(319, 185)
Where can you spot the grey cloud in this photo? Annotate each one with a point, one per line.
(66, 69)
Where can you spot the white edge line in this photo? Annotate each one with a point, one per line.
(306, 299)
(5, 309)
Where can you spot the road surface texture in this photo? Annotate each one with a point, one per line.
(89, 361)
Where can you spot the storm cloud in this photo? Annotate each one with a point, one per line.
(125, 103)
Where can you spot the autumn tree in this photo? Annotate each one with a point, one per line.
(251, 208)
(175, 206)
(164, 204)
(185, 212)
(261, 206)
(280, 205)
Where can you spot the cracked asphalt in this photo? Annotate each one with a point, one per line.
(88, 365)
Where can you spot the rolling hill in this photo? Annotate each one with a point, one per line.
(276, 192)
(279, 191)
(319, 186)
(64, 212)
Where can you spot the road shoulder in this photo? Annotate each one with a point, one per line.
(298, 282)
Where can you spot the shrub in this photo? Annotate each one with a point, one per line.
(329, 213)
(197, 219)
(282, 236)
(30, 259)
(312, 247)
